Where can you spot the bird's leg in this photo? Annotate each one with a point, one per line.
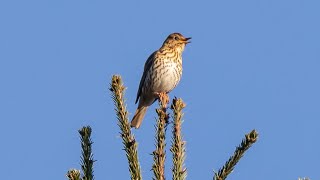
(163, 99)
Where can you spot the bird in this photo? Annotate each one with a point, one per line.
(162, 72)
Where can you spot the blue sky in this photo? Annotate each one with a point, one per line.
(251, 65)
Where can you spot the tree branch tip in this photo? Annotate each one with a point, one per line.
(177, 103)
(252, 136)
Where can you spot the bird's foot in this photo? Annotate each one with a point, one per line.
(163, 99)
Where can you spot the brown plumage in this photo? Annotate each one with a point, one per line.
(162, 73)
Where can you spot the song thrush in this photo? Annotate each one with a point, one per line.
(162, 73)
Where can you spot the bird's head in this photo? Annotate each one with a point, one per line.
(176, 41)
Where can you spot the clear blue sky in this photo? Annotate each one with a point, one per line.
(251, 65)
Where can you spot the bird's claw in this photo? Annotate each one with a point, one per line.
(163, 98)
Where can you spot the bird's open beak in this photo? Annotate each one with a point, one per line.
(186, 40)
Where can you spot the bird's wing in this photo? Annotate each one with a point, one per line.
(147, 66)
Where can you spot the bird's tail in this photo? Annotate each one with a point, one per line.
(138, 116)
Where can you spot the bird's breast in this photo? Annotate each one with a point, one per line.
(166, 74)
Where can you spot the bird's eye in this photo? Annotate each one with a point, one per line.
(176, 38)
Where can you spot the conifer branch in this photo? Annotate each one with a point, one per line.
(246, 143)
(87, 156)
(178, 145)
(130, 146)
(159, 155)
